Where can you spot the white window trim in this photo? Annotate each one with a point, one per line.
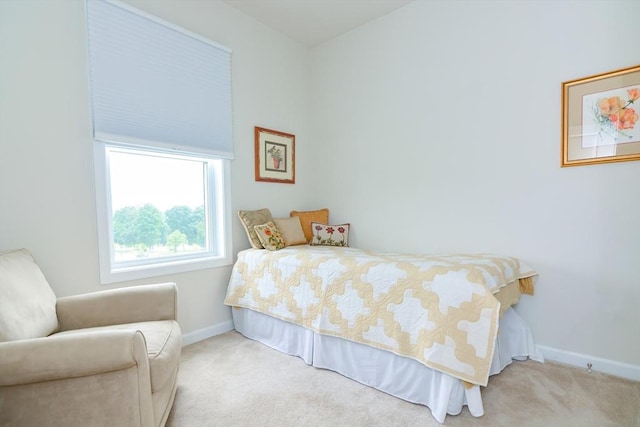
(162, 267)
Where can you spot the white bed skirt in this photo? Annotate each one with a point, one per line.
(398, 376)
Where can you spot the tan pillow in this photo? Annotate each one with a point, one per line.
(250, 219)
(269, 236)
(291, 230)
(28, 304)
(307, 217)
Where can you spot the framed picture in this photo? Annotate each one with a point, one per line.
(600, 118)
(275, 156)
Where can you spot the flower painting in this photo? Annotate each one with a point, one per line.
(601, 118)
(274, 158)
(275, 154)
(611, 117)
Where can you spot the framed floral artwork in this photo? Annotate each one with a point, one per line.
(275, 154)
(600, 118)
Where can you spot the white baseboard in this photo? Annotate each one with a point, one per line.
(611, 367)
(208, 332)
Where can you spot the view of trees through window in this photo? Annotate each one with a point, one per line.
(146, 231)
(158, 204)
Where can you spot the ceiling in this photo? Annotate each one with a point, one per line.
(312, 22)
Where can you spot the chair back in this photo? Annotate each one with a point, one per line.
(27, 302)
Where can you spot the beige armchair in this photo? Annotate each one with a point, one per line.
(107, 358)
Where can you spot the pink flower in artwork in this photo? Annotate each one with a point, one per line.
(615, 115)
(627, 119)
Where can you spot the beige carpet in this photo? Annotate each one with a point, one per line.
(229, 380)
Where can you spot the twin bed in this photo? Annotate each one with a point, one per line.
(426, 329)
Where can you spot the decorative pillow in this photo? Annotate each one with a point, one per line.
(291, 230)
(329, 235)
(307, 217)
(250, 219)
(269, 236)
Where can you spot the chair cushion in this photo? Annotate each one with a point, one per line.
(164, 346)
(28, 302)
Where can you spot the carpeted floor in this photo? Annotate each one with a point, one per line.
(229, 380)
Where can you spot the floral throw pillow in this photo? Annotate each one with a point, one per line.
(269, 236)
(329, 235)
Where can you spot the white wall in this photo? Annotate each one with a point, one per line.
(47, 198)
(437, 129)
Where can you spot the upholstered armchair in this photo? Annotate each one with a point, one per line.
(107, 358)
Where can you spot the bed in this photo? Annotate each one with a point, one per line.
(429, 329)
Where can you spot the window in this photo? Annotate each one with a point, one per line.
(162, 213)
(162, 121)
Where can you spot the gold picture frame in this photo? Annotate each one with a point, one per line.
(600, 118)
(275, 156)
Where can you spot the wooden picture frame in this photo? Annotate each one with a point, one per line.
(275, 156)
(600, 118)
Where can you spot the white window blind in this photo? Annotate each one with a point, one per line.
(156, 85)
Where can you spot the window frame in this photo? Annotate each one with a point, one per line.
(218, 217)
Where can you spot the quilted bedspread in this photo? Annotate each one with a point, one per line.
(437, 309)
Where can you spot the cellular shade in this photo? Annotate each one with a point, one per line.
(156, 85)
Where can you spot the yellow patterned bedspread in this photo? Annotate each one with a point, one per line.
(439, 310)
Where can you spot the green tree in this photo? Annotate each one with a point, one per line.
(175, 239)
(150, 226)
(198, 224)
(124, 226)
(189, 222)
(179, 218)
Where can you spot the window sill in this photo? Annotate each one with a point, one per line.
(161, 269)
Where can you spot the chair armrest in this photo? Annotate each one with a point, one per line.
(77, 379)
(71, 356)
(118, 306)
